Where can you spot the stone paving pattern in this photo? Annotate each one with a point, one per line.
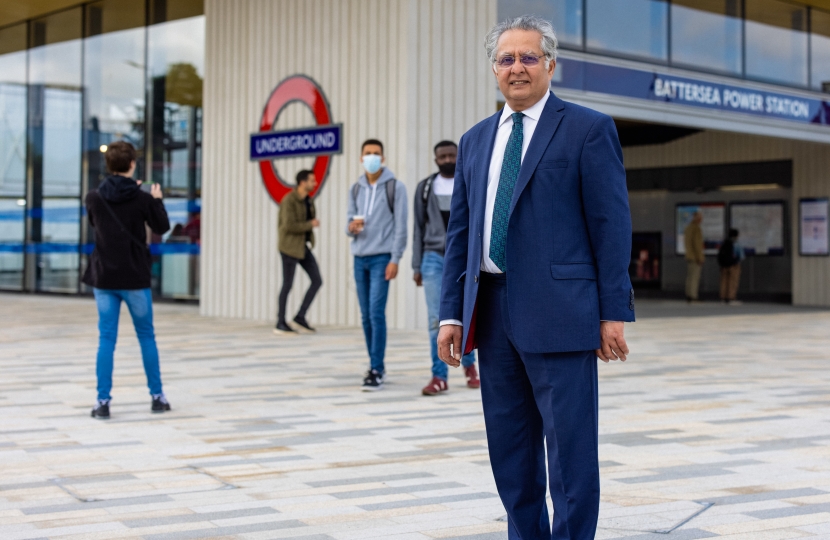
(720, 418)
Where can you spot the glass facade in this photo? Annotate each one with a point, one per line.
(72, 82)
(820, 50)
(628, 27)
(707, 33)
(12, 155)
(777, 41)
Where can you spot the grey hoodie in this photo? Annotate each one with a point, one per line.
(383, 232)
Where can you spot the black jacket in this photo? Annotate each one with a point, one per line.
(117, 261)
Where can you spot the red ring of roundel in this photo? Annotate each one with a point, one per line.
(305, 90)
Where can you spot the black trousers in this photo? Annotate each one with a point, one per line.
(289, 265)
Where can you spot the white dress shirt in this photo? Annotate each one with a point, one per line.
(531, 118)
(529, 122)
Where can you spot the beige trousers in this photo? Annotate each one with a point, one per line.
(692, 279)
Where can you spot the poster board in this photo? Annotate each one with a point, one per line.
(713, 225)
(812, 219)
(760, 226)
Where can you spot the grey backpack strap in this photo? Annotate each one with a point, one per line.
(355, 190)
(390, 194)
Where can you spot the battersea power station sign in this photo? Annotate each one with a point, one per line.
(654, 86)
(321, 140)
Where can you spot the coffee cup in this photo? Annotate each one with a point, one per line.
(359, 221)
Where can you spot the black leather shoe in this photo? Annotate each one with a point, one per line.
(283, 328)
(101, 410)
(160, 404)
(302, 323)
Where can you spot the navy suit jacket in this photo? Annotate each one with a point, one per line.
(568, 237)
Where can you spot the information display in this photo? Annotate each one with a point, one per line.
(712, 226)
(813, 215)
(760, 226)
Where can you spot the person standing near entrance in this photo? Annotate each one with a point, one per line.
(693, 242)
(432, 213)
(376, 223)
(119, 268)
(730, 255)
(536, 277)
(298, 218)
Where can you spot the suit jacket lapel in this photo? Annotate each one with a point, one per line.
(482, 172)
(548, 122)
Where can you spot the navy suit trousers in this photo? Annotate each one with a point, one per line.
(530, 400)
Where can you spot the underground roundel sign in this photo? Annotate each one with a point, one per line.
(322, 139)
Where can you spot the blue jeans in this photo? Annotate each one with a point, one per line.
(432, 270)
(372, 292)
(140, 304)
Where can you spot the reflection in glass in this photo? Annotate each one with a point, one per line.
(707, 34)
(57, 259)
(12, 230)
(628, 27)
(820, 50)
(565, 15)
(776, 41)
(54, 136)
(176, 70)
(114, 80)
(13, 111)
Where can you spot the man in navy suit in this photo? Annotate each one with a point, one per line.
(536, 277)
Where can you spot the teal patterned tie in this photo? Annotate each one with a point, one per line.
(507, 181)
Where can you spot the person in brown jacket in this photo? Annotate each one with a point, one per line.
(693, 241)
(297, 221)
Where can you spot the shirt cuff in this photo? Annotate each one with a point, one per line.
(454, 322)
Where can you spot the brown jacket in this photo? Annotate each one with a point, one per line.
(293, 225)
(693, 240)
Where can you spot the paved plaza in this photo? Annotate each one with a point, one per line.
(717, 426)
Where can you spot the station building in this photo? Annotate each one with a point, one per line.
(722, 106)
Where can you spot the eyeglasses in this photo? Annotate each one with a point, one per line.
(527, 60)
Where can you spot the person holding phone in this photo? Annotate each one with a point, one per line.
(119, 268)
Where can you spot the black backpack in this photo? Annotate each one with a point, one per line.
(726, 254)
(390, 194)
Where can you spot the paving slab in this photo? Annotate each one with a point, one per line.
(717, 427)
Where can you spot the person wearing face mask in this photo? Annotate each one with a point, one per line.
(432, 213)
(376, 223)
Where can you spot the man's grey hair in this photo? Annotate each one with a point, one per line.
(525, 22)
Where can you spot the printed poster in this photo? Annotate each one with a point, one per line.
(813, 217)
(712, 226)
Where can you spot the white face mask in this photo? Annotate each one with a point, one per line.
(371, 163)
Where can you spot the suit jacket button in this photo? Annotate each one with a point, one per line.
(475, 279)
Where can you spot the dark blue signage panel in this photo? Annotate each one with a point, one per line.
(654, 86)
(312, 141)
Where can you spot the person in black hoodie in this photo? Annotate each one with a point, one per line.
(119, 268)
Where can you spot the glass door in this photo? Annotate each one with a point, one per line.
(55, 104)
(12, 155)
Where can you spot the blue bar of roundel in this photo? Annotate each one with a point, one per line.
(278, 144)
(11, 248)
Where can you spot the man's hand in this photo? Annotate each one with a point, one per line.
(612, 342)
(449, 344)
(315, 222)
(418, 279)
(391, 271)
(355, 227)
(155, 191)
